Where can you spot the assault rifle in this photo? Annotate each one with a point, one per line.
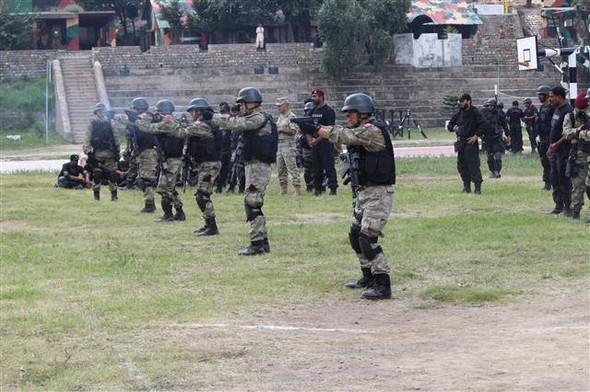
(308, 125)
(350, 171)
(132, 116)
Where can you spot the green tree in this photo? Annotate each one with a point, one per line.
(124, 9)
(15, 30)
(356, 29)
(173, 12)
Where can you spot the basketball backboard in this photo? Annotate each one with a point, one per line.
(527, 53)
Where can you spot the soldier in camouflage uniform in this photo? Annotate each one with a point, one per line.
(576, 130)
(305, 149)
(139, 106)
(260, 138)
(286, 162)
(369, 145)
(147, 157)
(172, 149)
(204, 148)
(102, 148)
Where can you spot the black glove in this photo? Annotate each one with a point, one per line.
(207, 115)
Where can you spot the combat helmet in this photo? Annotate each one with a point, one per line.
(527, 100)
(360, 102)
(165, 106)
(99, 106)
(199, 104)
(249, 94)
(543, 89)
(490, 102)
(140, 104)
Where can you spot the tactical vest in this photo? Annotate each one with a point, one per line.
(262, 147)
(171, 145)
(544, 122)
(102, 135)
(145, 140)
(376, 167)
(577, 121)
(206, 149)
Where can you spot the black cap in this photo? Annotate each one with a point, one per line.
(465, 97)
(74, 157)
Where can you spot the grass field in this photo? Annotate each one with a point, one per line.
(82, 279)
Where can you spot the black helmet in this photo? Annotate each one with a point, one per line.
(490, 102)
(165, 106)
(99, 106)
(198, 103)
(527, 100)
(544, 89)
(360, 102)
(140, 104)
(249, 94)
(500, 105)
(309, 105)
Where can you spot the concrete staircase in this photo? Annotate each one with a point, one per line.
(80, 89)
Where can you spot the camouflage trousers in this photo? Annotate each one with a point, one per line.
(133, 169)
(148, 164)
(167, 181)
(371, 212)
(257, 179)
(207, 173)
(307, 167)
(104, 166)
(287, 165)
(579, 179)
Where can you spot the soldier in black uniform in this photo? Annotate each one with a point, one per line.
(469, 125)
(543, 128)
(102, 148)
(530, 121)
(322, 150)
(71, 174)
(494, 142)
(514, 116)
(558, 153)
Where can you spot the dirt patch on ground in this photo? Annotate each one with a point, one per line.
(539, 344)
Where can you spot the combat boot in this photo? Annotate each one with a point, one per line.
(309, 189)
(179, 216)
(255, 248)
(114, 196)
(576, 215)
(466, 187)
(167, 208)
(364, 282)
(266, 245)
(97, 195)
(284, 189)
(477, 189)
(149, 208)
(210, 228)
(381, 288)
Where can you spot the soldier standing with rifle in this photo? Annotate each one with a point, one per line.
(171, 149)
(203, 148)
(260, 136)
(102, 148)
(371, 151)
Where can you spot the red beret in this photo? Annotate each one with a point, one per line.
(317, 91)
(581, 102)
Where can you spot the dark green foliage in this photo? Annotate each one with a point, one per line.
(449, 105)
(15, 30)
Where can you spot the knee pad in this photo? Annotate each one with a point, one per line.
(366, 245)
(252, 212)
(202, 199)
(353, 237)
